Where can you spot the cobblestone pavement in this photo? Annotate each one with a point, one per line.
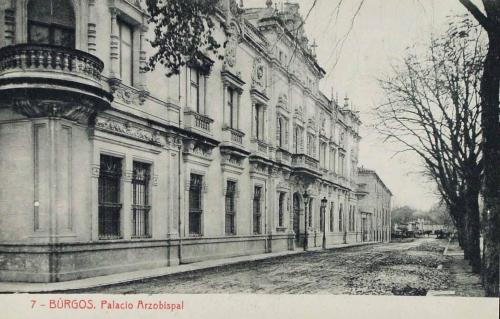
(401, 268)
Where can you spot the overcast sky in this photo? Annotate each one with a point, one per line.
(379, 36)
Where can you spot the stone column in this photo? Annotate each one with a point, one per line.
(237, 108)
(91, 31)
(225, 116)
(114, 69)
(126, 214)
(141, 80)
(254, 124)
(174, 192)
(9, 26)
(94, 195)
(2, 24)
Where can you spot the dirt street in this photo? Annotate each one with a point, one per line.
(406, 268)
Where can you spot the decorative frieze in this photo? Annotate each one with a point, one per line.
(195, 148)
(127, 129)
(79, 111)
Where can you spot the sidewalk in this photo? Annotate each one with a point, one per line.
(21, 287)
(463, 282)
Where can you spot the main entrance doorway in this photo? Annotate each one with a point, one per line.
(364, 230)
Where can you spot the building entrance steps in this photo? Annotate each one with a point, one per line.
(60, 287)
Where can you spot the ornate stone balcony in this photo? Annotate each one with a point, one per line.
(283, 156)
(261, 147)
(46, 80)
(233, 136)
(305, 163)
(197, 122)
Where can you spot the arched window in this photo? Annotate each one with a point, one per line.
(51, 22)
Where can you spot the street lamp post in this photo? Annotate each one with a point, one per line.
(306, 198)
(323, 211)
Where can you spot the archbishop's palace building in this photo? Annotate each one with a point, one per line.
(107, 168)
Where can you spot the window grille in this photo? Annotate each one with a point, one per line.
(141, 223)
(195, 204)
(257, 214)
(110, 173)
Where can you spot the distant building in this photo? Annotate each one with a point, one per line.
(421, 225)
(374, 206)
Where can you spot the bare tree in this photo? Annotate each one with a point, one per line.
(433, 110)
(490, 90)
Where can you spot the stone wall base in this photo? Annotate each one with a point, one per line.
(71, 261)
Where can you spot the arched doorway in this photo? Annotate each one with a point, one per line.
(296, 217)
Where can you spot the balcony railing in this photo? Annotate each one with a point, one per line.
(197, 121)
(283, 156)
(305, 161)
(261, 146)
(49, 58)
(233, 135)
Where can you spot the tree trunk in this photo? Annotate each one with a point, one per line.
(457, 212)
(472, 225)
(490, 84)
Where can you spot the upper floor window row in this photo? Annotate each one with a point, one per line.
(51, 22)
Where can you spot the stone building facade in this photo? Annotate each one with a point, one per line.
(106, 168)
(374, 206)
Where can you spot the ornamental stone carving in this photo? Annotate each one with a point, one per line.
(126, 94)
(231, 46)
(259, 74)
(283, 101)
(299, 111)
(128, 130)
(193, 147)
(80, 111)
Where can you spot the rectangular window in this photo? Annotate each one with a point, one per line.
(232, 108)
(322, 219)
(259, 121)
(332, 160)
(340, 218)
(279, 127)
(296, 139)
(309, 144)
(257, 210)
(141, 208)
(342, 165)
(353, 218)
(126, 52)
(332, 213)
(195, 204)
(310, 217)
(230, 207)
(281, 209)
(322, 155)
(195, 90)
(110, 173)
